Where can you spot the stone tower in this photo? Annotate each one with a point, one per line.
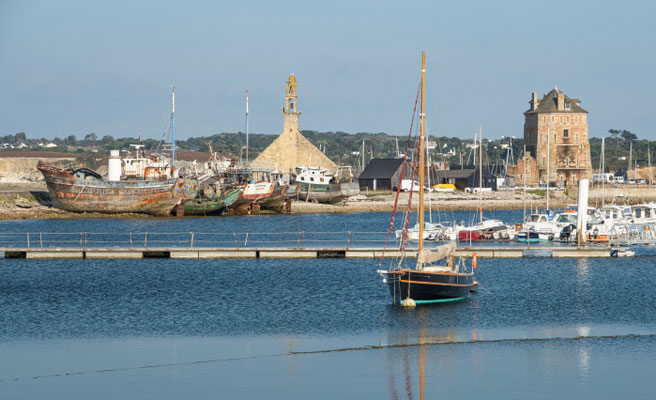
(568, 144)
(290, 110)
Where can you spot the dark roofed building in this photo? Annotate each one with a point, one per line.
(381, 174)
(466, 178)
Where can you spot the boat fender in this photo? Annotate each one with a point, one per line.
(408, 302)
(474, 261)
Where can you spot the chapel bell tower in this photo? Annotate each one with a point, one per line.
(290, 109)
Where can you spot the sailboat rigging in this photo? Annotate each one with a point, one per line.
(427, 282)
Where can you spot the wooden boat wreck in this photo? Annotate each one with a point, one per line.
(263, 196)
(84, 190)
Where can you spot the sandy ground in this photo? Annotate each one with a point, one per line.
(438, 201)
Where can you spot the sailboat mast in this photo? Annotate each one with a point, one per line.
(173, 125)
(247, 126)
(363, 155)
(649, 163)
(548, 161)
(480, 171)
(524, 173)
(630, 160)
(422, 116)
(603, 172)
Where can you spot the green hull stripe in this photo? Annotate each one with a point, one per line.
(436, 301)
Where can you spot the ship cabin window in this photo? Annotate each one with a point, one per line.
(320, 179)
(647, 213)
(637, 213)
(614, 214)
(565, 133)
(312, 179)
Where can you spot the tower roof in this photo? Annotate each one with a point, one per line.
(549, 104)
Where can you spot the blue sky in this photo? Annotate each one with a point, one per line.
(75, 67)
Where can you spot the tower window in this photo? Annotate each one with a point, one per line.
(565, 133)
(567, 105)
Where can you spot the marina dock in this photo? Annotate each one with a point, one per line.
(307, 252)
(208, 245)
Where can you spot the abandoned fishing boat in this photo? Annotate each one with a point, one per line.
(211, 204)
(321, 185)
(84, 190)
(427, 282)
(263, 196)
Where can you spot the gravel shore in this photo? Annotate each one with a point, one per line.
(32, 201)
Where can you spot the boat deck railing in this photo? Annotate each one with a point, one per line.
(633, 234)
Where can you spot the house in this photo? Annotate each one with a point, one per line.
(382, 174)
(465, 178)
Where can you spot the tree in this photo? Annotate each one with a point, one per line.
(91, 137)
(107, 140)
(615, 133)
(628, 135)
(71, 139)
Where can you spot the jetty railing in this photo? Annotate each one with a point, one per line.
(191, 240)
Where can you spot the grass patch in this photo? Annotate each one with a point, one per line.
(538, 192)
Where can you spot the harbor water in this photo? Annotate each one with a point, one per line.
(317, 328)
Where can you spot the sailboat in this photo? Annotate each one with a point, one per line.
(428, 282)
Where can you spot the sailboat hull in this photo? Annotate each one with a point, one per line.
(429, 287)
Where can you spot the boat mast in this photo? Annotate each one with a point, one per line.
(363, 155)
(548, 161)
(422, 116)
(649, 162)
(630, 160)
(603, 171)
(247, 126)
(173, 126)
(524, 170)
(480, 171)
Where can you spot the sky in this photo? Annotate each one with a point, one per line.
(77, 67)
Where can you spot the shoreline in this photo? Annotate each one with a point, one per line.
(32, 201)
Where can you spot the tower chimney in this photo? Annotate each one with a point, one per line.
(561, 101)
(534, 101)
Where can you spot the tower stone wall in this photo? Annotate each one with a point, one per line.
(556, 131)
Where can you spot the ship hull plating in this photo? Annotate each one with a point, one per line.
(84, 191)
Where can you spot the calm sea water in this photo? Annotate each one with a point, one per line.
(318, 328)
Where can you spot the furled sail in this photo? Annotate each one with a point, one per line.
(437, 253)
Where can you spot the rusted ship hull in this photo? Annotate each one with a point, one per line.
(83, 190)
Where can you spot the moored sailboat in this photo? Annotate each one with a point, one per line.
(428, 282)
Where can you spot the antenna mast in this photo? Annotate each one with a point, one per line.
(247, 126)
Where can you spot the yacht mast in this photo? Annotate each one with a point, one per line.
(649, 162)
(173, 126)
(630, 160)
(480, 171)
(247, 126)
(548, 161)
(422, 117)
(603, 171)
(524, 173)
